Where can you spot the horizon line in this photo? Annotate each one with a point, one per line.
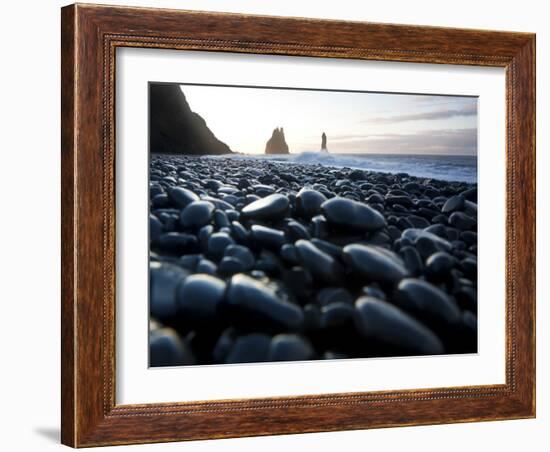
(357, 153)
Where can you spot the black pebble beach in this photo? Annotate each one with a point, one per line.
(255, 260)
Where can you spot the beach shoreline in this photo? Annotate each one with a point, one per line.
(454, 168)
(256, 259)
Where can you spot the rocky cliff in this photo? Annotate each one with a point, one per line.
(174, 128)
(277, 143)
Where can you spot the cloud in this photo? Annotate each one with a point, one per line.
(469, 110)
(444, 141)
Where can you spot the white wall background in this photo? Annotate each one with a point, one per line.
(30, 228)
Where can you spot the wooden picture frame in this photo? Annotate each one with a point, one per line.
(90, 36)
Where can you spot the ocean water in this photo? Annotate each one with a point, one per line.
(461, 168)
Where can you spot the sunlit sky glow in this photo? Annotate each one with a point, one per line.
(244, 118)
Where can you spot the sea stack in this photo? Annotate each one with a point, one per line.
(324, 142)
(175, 128)
(277, 144)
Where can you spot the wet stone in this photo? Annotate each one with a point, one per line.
(155, 228)
(427, 243)
(375, 292)
(160, 200)
(206, 266)
(440, 219)
(166, 348)
(415, 234)
(164, 280)
(452, 234)
(251, 348)
(290, 347)
(319, 227)
(413, 261)
(251, 198)
(296, 231)
(196, 214)
(458, 245)
(268, 237)
(469, 237)
(462, 221)
(308, 202)
(378, 207)
(223, 345)
(269, 263)
(439, 265)
(232, 215)
(218, 242)
(469, 267)
(322, 265)
(470, 194)
(356, 175)
(212, 184)
(469, 320)
(352, 214)
(230, 265)
(401, 200)
(262, 190)
(394, 232)
(227, 190)
(425, 301)
(334, 250)
(271, 207)
(199, 295)
(404, 223)
(177, 243)
(429, 214)
(299, 281)
(466, 298)
(312, 317)
(331, 354)
(337, 314)
(181, 197)
(418, 222)
(241, 253)
(218, 203)
(437, 229)
(239, 232)
(412, 187)
(204, 234)
(470, 209)
(398, 208)
(375, 264)
(289, 254)
(377, 319)
(155, 190)
(375, 198)
(453, 204)
(220, 219)
(250, 296)
(190, 261)
(330, 295)
(231, 199)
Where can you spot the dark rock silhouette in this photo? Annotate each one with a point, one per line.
(324, 142)
(277, 144)
(175, 129)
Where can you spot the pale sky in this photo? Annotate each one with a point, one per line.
(244, 119)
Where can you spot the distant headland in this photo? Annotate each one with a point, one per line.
(175, 129)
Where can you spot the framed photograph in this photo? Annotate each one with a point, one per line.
(282, 225)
